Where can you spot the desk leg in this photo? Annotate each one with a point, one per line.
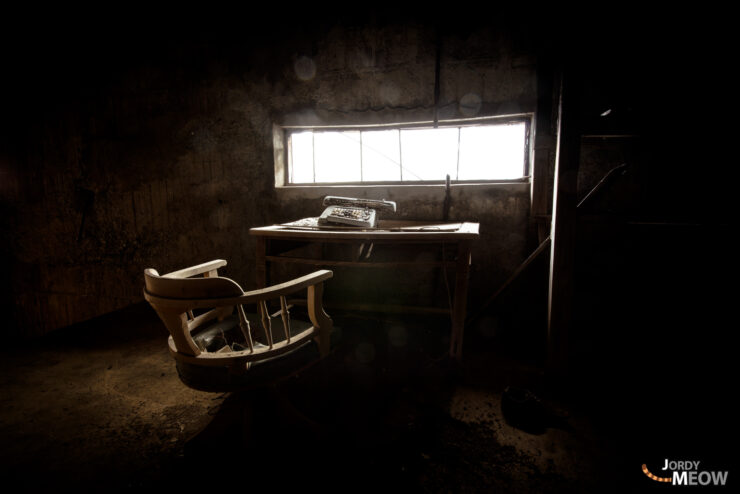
(261, 262)
(459, 306)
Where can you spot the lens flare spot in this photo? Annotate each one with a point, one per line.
(305, 68)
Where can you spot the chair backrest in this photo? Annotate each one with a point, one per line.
(176, 295)
(180, 291)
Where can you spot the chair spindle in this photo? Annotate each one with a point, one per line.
(286, 318)
(266, 324)
(245, 327)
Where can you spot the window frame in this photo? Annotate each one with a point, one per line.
(282, 134)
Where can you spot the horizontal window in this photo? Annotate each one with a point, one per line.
(465, 150)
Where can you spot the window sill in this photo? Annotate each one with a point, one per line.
(440, 183)
(389, 191)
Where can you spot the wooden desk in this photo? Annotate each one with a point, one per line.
(459, 235)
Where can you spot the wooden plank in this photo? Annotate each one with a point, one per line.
(543, 152)
(595, 190)
(564, 219)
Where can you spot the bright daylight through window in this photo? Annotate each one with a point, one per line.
(466, 152)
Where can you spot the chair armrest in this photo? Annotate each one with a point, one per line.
(286, 288)
(250, 297)
(239, 358)
(206, 267)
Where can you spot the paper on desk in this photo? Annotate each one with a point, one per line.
(397, 226)
(440, 227)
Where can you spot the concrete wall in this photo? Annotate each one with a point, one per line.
(122, 151)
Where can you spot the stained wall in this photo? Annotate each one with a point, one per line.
(151, 146)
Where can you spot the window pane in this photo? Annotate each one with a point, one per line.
(476, 152)
(429, 154)
(337, 156)
(492, 152)
(380, 156)
(301, 157)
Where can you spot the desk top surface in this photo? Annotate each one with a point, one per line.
(386, 229)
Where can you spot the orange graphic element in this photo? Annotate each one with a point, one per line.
(655, 477)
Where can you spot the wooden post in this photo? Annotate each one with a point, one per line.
(543, 147)
(563, 236)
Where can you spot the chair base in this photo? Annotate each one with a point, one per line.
(250, 428)
(259, 374)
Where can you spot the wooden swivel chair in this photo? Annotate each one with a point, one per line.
(219, 346)
(213, 339)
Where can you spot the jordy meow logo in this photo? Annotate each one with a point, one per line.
(678, 472)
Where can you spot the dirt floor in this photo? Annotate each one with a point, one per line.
(99, 407)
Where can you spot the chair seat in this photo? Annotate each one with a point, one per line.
(212, 352)
(214, 336)
(226, 335)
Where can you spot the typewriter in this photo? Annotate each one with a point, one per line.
(350, 211)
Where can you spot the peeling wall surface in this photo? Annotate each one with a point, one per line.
(152, 147)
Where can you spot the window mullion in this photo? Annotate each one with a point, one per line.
(313, 154)
(291, 174)
(400, 155)
(457, 167)
(361, 176)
